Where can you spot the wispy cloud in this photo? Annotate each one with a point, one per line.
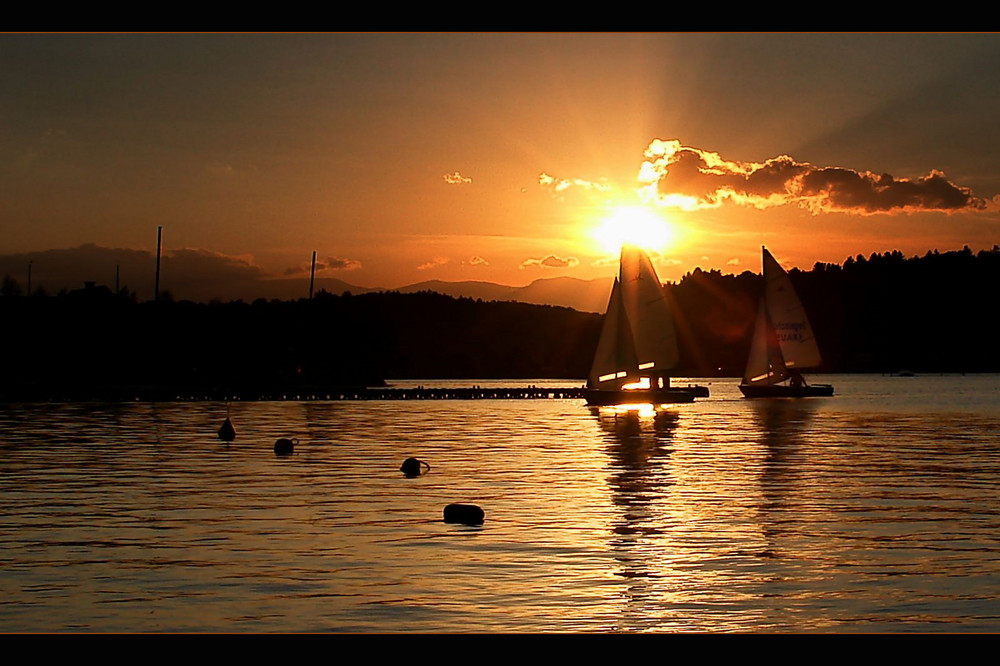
(605, 261)
(433, 263)
(477, 261)
(550, 261)
(691, 178)
(456, 179)
(655, 257)
(559, 185)
(339, 264)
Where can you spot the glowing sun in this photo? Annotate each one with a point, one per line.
(633, 225)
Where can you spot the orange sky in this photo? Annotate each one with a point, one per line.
(402, 158)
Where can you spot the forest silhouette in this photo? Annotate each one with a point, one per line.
(884, 313)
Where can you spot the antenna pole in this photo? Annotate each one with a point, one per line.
(312, 276)
(156, 285)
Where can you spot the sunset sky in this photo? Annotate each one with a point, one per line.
(499, 157)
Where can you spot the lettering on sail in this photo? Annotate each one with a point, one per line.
(790, 332)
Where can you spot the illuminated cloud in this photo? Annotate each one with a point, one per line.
(654, 256)
(477, 261)
(559, 185)
(691, 178)
(433, 263)
(735, 261)
(330, 263)
(456, 179)
(606, 261)
(550, 261)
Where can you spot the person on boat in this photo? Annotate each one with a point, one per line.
(796, 380)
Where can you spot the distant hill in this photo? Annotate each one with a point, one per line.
(285, 289)
(487, 291)
(582, 295)
(202, 276)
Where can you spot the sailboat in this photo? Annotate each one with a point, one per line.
(638, 344)
(783, 342)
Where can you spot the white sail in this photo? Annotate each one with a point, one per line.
(765, 364)
(615, 361)
(637, 337)
(788, 317)
(648, 312)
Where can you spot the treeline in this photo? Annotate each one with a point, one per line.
(93, 343)
(883, 313)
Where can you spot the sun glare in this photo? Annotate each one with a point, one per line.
(633, 225)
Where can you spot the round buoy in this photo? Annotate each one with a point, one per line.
(466, 514)
(285, 447)
(414, 467)
(227, 432)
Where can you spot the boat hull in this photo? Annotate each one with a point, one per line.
(785, 391)
(599, 398)
(699, 391)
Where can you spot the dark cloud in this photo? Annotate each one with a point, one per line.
(330, 263)
(338, 264)
(692, 178)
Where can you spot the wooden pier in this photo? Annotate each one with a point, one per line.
(305, 394)
(464, 393)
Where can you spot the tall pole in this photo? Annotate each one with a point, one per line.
(312, 276)
(156, 285)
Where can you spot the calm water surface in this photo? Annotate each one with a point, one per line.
(875, 510)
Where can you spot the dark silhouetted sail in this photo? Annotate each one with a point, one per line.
(783, 342)
(638, 344)
(788, 317)
(765, 365)
(615, 361)
(637, 337)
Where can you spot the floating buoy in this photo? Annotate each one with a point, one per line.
(227, 432)
(466, 514)
(285, 447)
(414, 467)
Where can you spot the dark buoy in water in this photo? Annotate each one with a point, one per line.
(466, 514)
(285, 447)
(227, 432)
(414, 467)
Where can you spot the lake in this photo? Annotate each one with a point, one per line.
(876, 510)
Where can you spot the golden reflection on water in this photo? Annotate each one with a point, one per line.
(720, 515)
